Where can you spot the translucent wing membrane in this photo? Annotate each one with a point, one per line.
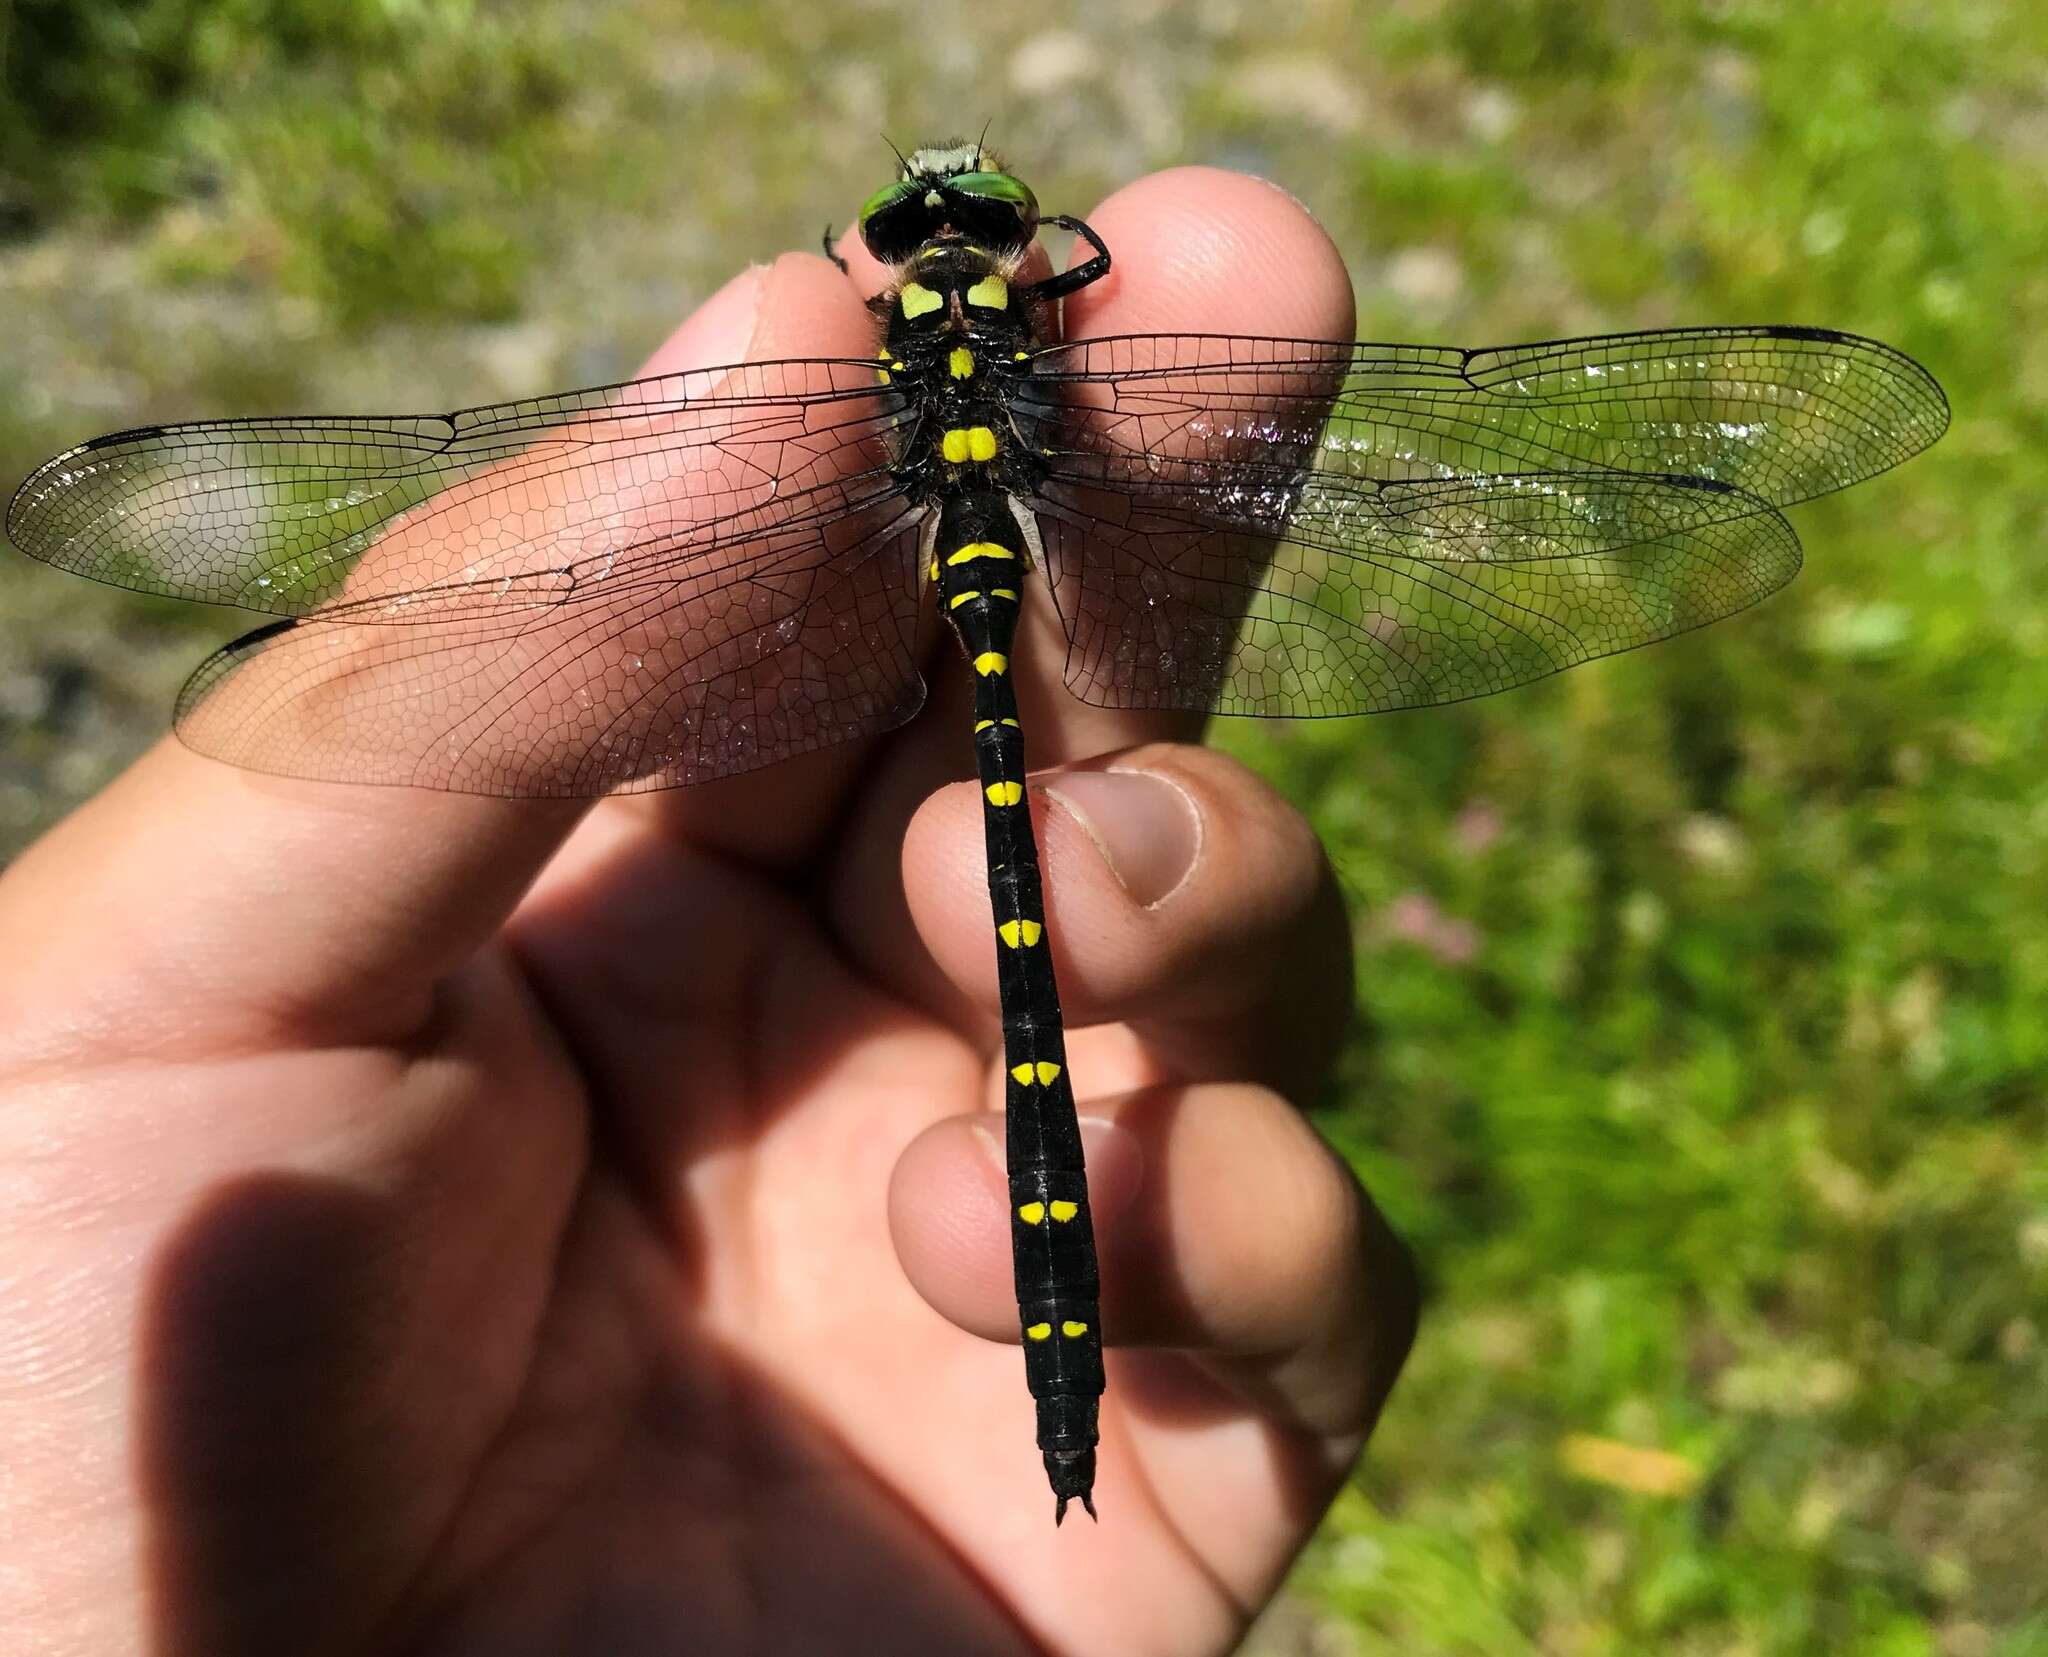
(1363, 598)
(638, 586)
(689, 576)
(678, 665)
(1785, 413)
(277, 514)
(1299, 528)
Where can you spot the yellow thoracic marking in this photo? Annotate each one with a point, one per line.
(979, 549)
(991, 661)
(1004, 793)
(981, 443)
(935, 569)
(1070, 1329)
(953, 445)
(1013, 724)
(917, 299)
(981, 725)
(961, 362)
(1032, 1213)
(1044, 1072)
(1020, 934)
(1040, 1331)
(1021, 356)
(1003, 592)
(1065, 1211)
(959, 599)
(991, 293)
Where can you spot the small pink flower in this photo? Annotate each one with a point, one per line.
(1476, 827)
(1415, 918)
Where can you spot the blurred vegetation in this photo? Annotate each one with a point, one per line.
(1703, 1051)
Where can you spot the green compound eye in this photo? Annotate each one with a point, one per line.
(887, 196)
(997, 187)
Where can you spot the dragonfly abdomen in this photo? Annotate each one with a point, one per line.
(979, 556)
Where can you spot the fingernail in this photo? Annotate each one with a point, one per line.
(1146, 828)
(1116, 1165)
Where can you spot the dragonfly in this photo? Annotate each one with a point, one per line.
(688, 576)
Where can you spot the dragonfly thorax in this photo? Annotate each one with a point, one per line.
(957, 343)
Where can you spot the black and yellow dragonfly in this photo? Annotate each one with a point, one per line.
(684, 577)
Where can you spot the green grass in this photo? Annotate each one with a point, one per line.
(1703, 1052)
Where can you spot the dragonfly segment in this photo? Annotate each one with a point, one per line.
(659, 583)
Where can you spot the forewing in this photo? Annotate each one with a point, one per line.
(279, 514)
(1783, 413)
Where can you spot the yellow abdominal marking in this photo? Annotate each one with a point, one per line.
(953, 445)
(961, 362)
(917, 299)
(991, 293)
(1040, 1331)
(1020, 934)
(1004, 793)
(991, 661)
(1044, 1071)
(979, 549)
(1070, 1329)
(1065, 1211)
(1032, 1213)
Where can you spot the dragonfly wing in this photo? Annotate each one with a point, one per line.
(285, 515)
(1291, 527)
(1784, 413)
(715, 655)
(1363, 598)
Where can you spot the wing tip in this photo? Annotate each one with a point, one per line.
(33, 491)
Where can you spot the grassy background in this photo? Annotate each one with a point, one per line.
(1704, 1054)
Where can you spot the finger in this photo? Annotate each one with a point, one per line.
(774, 818)
(197, 903)
(1225, 1228)
(1185, 899)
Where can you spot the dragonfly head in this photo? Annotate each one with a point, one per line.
(949, 191)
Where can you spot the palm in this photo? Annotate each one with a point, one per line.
(701, 1350)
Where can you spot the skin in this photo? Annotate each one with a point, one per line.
(438, 1224)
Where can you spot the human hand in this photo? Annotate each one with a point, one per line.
(443, 1224)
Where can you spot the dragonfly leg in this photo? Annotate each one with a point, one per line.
(1068, 281)
(832, 253)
